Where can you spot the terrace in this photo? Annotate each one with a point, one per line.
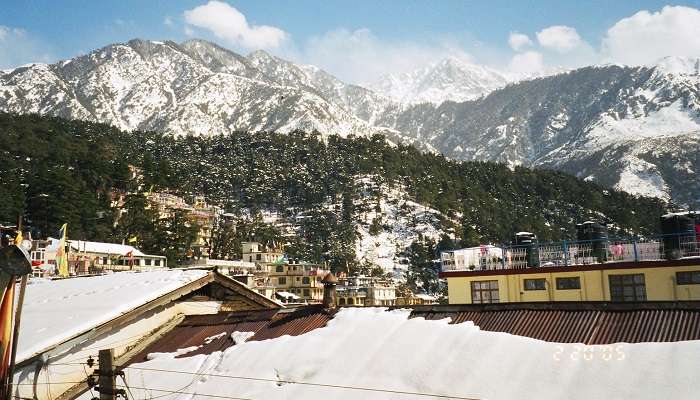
(573, 253)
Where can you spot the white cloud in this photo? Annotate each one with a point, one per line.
(646, 37)
(527, 63)
(518, 41)
(229, 24)
(359, 56)
(17, 47)
(559, 38)
(168, 20)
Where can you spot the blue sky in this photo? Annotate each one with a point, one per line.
(347, 37)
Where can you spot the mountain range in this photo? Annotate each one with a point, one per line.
(627, 127)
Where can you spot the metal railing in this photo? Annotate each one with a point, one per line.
(588, 252)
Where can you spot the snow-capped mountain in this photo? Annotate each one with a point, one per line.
(452, 79)
(194, 88)
(634, 128)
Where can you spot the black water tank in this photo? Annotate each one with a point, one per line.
(597, 235)
(528, 240)
(679, 234)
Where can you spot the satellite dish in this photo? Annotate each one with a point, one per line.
(26, 245)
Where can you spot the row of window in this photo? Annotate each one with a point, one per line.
(567, 283)
(630, 287)
(282, 280)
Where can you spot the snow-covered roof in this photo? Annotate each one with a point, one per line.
(287, 295)
(383, 352)
(427, 297)
(55, 311)
(107, 248)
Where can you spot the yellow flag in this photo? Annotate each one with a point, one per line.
(18, 238)
(61, 256)
(133, 239)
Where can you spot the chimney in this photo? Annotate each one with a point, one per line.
(329, 283)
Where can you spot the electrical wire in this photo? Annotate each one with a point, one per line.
(169, 392)
(326, 385)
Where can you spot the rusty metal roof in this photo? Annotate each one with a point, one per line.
(588, 323)
(207, 331)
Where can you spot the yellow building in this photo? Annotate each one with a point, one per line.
(299, 279)
(618, 275)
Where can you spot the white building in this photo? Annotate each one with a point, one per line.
(472, 258)
(84, 256)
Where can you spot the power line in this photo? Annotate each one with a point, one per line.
(189, 393)
(326, 385)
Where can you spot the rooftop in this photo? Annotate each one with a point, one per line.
(57, 310)
(353, 353)
(599, 253)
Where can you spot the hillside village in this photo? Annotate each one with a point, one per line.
(252, 200)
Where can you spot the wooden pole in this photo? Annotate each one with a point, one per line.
(108, 379)
(15, 334)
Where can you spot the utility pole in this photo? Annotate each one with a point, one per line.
(108, 379)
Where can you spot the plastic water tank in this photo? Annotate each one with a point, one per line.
(528, 240)
(597, 235)
(679, 234)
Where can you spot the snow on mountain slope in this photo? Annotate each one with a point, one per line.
(451, 79)
(194, 88)
(402, 221)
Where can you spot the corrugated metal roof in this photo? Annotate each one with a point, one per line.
(194, 330)
(588, 323)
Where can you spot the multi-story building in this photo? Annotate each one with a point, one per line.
(662, 268)
(303, 280)
(204, 216)
(365, 291)
(258, 253)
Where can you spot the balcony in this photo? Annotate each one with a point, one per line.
(575, 253)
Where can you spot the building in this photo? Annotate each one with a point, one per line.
(419, 299)
(258, 253)
(86, 257)
(195, 333)
(365, 291)
(581, 351)
(663, 268)
(297, 281)
(68, 320)
(203, 215)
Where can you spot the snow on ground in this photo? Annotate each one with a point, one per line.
(55, 311)
(402, 221)
(379, 349)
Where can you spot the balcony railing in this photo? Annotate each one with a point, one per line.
(577, 253)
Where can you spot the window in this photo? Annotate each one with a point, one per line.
(307, 293)
(688, 278)
(341, 301)
(351, 301)
(627, 287)
(282, 281)
(305, 280)
(257, 257)
(157, 263)
(147, 261)
(279, 268)
(485, 292)
(104, 260)
(573, 282)
(535, 284)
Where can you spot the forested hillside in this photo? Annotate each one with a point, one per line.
(55, 171)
